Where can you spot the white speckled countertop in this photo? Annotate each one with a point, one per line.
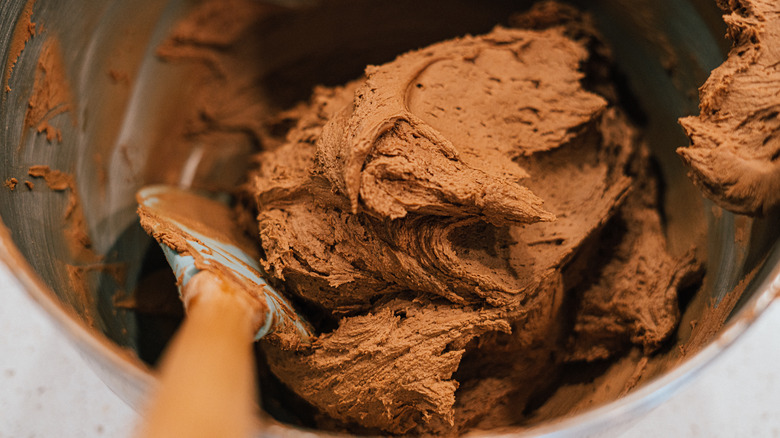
(47, 390)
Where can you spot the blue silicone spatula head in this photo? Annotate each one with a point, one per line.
(198, 233)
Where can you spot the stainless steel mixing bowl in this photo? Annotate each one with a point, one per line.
(665, 50)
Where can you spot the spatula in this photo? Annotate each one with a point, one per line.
(207, 385)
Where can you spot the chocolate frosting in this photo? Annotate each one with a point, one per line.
(735, 141)
(459, 224)
(409, 204)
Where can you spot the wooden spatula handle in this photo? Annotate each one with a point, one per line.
(207, 377)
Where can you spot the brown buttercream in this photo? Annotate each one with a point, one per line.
(76, 234)
(51, 94)
(447, 205)
(734, 156)
(23, 31)
(11, 183)
(462, 225)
